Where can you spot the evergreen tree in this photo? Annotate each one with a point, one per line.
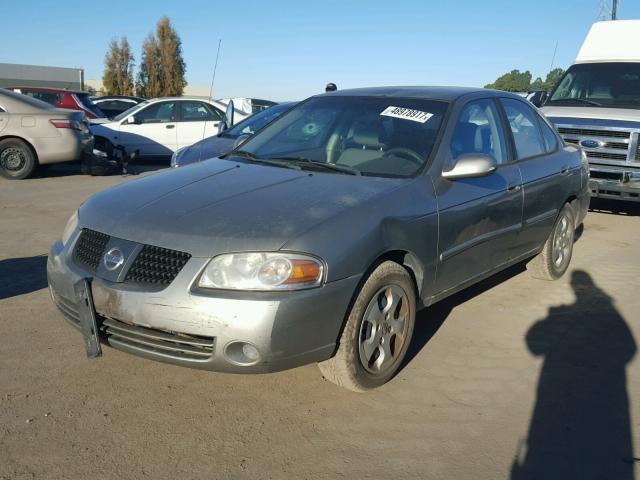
(118, 68)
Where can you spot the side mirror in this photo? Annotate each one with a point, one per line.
(222, 126)
(229, 114)
(471, 165)
(134, 120)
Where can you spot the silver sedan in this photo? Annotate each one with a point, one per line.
(319, 238)
(34, 133)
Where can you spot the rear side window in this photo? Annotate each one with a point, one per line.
(524, 127)
(198, 112)
(550, 138)
(479, 130)
(51, 98)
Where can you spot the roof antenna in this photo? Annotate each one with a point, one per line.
(213, 79)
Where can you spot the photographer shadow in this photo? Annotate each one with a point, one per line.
(581, 425)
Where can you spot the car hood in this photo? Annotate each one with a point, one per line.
(206, 149)
(603, 113)
(219, 206)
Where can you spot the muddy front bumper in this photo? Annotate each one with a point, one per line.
(240, 332)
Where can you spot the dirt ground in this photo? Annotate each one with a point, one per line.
(514, 379)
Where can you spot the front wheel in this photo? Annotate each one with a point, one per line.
(554, 259)
(377, 332)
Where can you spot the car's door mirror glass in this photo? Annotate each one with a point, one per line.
(222, 126)
(471, 165)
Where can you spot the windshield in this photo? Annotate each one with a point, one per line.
(129, 111)
(378, 136)
(255, 122)
(599, 84)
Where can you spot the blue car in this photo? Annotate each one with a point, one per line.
(227, 140)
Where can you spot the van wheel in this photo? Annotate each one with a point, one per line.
(554, 259)
(377, 333)
(17, 160)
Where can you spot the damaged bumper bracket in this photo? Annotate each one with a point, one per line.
(88, 319)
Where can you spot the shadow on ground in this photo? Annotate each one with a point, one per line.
(581, 425)
(73, 169)
(22, 275)
(430, 319)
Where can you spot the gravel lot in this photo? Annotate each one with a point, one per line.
(513, 379)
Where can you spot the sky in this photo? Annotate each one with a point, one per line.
(289, 49)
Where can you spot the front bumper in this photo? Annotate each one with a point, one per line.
(288, 329)
(627, 187)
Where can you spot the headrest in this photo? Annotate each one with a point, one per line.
(367, 133)
(464, 137)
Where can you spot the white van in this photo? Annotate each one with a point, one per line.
(596, 105)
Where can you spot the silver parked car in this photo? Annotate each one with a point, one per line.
(34, 133)
(319, 238)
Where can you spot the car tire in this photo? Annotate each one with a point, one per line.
(377, 332)
(17, 159)
(555, 257)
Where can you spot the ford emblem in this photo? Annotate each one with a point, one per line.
(591, 143)
(113, 259)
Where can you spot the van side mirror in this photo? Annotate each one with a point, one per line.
(471, 165)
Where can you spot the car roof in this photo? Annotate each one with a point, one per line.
(428, 93)
(117, 97)
(47, 89)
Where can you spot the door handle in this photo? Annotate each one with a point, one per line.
(564, 170)
(514, 188)
(170, 126)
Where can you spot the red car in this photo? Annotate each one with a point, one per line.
(71, 99)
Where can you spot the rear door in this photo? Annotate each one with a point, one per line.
(544, 174)
(479, 218)
(4, 118)
(152, 130)
(198, 120)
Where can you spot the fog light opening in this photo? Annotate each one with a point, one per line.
(242, 353)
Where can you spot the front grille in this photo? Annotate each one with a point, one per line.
(593, 133)
(160, 342)
(606, 155)
(90, 248)
(156, 265)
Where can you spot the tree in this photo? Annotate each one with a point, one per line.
(553, 77)
(148, 84)
(162, 67)
(514, 81)
(118, 68)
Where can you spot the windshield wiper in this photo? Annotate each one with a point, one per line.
(327, 166)
(579, 100)
(266, 161)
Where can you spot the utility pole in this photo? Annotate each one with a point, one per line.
(614, 10)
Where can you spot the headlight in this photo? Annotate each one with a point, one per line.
(70, 227)
(176, 155)
(262, 271)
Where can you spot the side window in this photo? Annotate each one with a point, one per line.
(163, 112)
(478, 130)
(524, 127)
(550, 137)
(198, 112)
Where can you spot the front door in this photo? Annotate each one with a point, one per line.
(151, 130)
(479, 218)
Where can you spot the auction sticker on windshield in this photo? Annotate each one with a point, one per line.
(407, 114)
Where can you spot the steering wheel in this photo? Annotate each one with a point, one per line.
(405, 153)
